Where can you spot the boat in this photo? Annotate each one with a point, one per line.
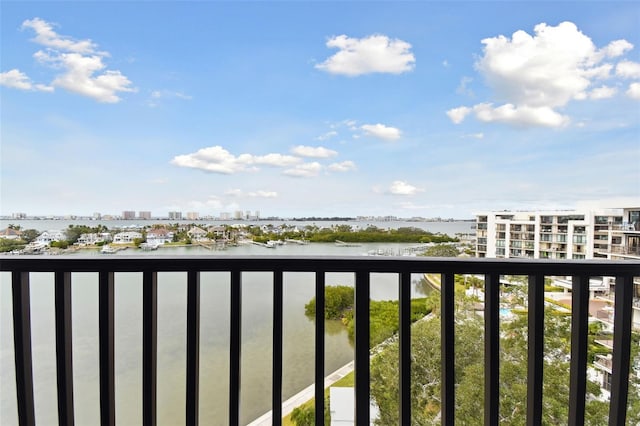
(107, 249)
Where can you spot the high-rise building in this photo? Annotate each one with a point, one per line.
(225, 216)
(144, 215)
(175, 215)
(545, 234)
(19, 215)
(237, 215)
(192, 215)
(128, 214)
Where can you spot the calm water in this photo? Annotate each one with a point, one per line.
(256, 338)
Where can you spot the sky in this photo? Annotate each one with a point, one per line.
(299, 109)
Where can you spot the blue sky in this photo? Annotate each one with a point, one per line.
(318, 108)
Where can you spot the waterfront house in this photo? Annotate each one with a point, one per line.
(47, 237)
(197, 234)
(126, 237)
(10, 234)
(93, 238)
(159, 236)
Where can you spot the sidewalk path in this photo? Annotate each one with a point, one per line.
(304, 395)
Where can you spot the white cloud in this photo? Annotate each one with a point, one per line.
(457, 115)
(16, 79)
(634, 91)
(233, 192)
(313, 152)
(535, 75)
(216, 159)
(344, 166)
(327, 135)
(80, 66)
(603, 92)
(628, 69)
(381, 131)
(399, 187)
(462, 88)
(262, 194)
(523, 115)
(304, 170)
(46, 36)
(373, 54)
(157, 95)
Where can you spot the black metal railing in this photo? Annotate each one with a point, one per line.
(63, 266)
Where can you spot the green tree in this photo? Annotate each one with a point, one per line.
(441, 250)
(29, 235)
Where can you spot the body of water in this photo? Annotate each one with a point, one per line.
(215, 290)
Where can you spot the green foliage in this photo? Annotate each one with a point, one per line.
(441, 250)
(7, 245)
(29, 235)
(138, 241)
(469, 373)
(337, 299)
(60, 244)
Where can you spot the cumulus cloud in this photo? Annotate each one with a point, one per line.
(628, 69)
(79, 64)
(381, 131)
(313, 152)
(216, 159)
(457, 115)
(344, 166)
(399, 187)
(535, 75)
(634, 91)
(16, 79)
(373, 54)
(603, 92)
(304, 170)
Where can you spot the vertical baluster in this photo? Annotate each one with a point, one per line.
(404, 339)
(621, 350)
(276, 379)
(579, 342)
(193, 347)
(149, 346)
(362, 347)
(235, 340)
(319, 350)
(106, 335)
(22, 347)
(447, 348)
(492, 349)
(64, 360)
(535, 335)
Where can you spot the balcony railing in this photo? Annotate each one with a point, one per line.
(362, 267)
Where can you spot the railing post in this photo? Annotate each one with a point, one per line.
(276, 373)
(492, 349)
(404, 342)
(64, 360)
(193, 347)
(621, 350)
(319, 350)
(447, 348)
(235, 341)
(579, 342)
(362, 369)
(22, 347)
(106, 321)
(535, 336)
(149, 346)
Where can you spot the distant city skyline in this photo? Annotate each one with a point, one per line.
(299, 109)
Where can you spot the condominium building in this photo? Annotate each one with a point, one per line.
(547, 234)
(128, 214)
(193, 215)
(175, 215)
(144, 215)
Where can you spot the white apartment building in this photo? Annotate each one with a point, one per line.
(569, 234)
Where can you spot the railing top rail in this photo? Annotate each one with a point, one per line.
(162, 263)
